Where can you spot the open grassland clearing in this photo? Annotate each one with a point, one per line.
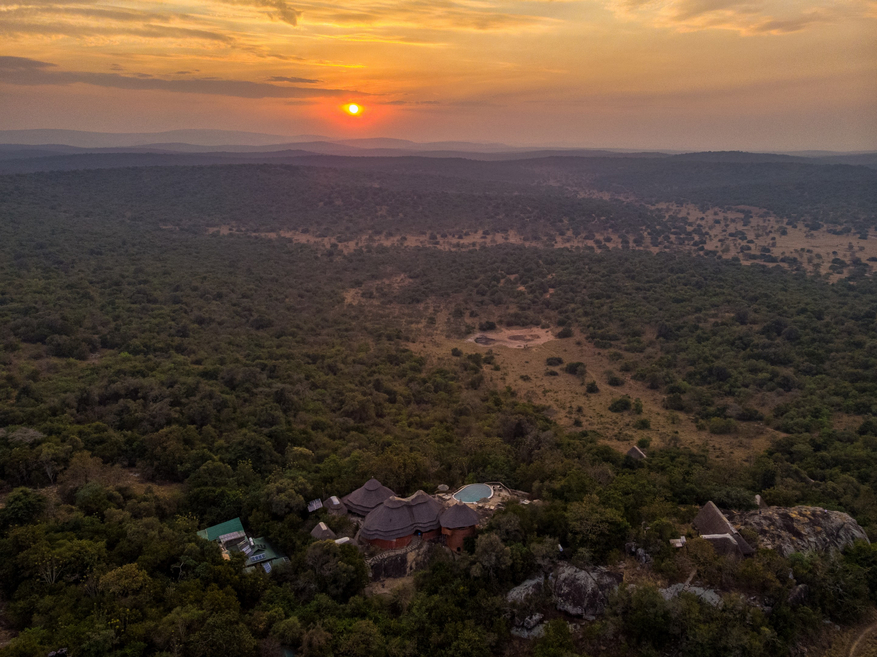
(526, 371)
(752, 235)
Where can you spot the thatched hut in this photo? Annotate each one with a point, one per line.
(322, 532)
(334, 506)
(713, 526)
(458, 522)
(398, 520)
(368, 497)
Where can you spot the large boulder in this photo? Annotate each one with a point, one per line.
(523, 592)
(800, 528)
(583, 593)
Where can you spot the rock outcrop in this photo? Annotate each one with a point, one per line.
(800, 528)
(583, 593)
(400, 563)
(574, 591)
(708, 596)
(525, 591)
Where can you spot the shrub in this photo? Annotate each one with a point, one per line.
(592, 387)
(554, 361)
(642, 423)
(620, 404)
(719, 426)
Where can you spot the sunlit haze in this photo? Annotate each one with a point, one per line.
(672, 74)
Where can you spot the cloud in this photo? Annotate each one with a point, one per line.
(469, 15)
(278, 9)
(412, 102)
(280, 78)
(13, 27)
(744, 16)
(29, 72)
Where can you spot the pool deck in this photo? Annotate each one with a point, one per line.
(479, 500)
(500, 495)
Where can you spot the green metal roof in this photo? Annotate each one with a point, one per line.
(268, 553)
(223, 528)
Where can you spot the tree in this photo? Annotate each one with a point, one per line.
(556, 642)
(491, 556)
(596, 527)
(340, 569)
(22, 507)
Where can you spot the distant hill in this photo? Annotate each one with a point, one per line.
(115, 140)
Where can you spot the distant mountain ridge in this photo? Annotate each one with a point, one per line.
(195, 137)
(24, 151)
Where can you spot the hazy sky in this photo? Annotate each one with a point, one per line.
(688, 74)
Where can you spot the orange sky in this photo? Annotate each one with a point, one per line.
(687, 74)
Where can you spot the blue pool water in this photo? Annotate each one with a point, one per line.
(473, 493)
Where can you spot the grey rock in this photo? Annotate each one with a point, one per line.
(583, 593)
(798, 595)
(533, 633)
(524, 591)
(800, 528)
(532, 621)
(708, 596)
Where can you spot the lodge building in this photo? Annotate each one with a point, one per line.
(391, 522)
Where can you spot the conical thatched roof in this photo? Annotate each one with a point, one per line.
(322, 532)
(459, 515)
(398, 517)
(709, 521)
(368, 497)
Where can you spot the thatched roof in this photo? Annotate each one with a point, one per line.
(636, 453)
(368, 497)
(711, 522)
(724, 544)
(398, 517)
(459, 515)
(333, 504)
(322, 532)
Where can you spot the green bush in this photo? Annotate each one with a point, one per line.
(620, 404)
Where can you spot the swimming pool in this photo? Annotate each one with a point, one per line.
(473, 493)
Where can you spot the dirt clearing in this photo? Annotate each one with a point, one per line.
(512, 338)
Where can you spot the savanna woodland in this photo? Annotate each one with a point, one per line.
(185, 345)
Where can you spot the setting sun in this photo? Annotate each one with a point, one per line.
(353, 109)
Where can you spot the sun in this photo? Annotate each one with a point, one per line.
(353, 109)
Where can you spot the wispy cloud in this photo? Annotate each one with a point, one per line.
(743, 16)
(277, 9)
(280, 78)
(31, 72)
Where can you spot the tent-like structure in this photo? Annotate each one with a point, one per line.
(458, 521)
(398, 520)
(636, 453)
(367, 498)
(321, 532)
(713, 526)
